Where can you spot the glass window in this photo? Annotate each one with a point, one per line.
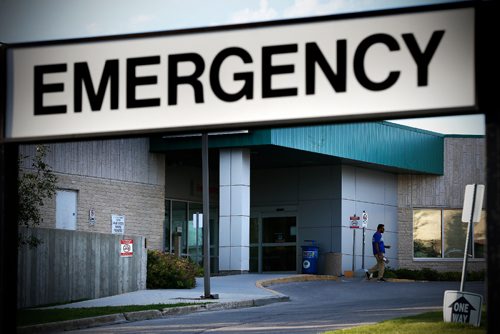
(429, 240)
(455, 232)
(195, 232)
(279, 229)
(426, 233)
(179, 224)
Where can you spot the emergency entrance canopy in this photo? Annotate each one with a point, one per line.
(381, 64)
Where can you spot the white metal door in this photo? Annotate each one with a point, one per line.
(66, 209)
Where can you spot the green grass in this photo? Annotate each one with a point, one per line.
(428, 323)
(28, 317)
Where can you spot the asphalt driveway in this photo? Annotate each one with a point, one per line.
(314, 307)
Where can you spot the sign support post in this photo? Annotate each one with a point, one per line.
(8, 236)
(9, 153)
(488, 70)
(354, 226)
(460, 306)
(466, 250)
(206, 212)
(365, 224)
(353, 248)
(471, 213)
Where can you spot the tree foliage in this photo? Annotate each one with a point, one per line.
(35, 186)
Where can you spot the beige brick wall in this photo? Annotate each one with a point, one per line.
(142, 205)
(136, 191)
(465, 162)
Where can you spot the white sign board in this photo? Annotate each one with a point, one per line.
(473, 202)
(117, 224)
(364, 216)
(462, 307)
(310, 70)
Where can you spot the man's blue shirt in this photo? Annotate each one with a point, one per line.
(378, 239)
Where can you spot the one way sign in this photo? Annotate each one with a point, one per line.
(462, 307)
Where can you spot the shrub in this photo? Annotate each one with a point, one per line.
(430, 274)
(426, 274)
(450, 276)
(167, 271)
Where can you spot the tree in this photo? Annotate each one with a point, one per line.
(34, 187)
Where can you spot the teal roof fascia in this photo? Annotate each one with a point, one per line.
(380, 143)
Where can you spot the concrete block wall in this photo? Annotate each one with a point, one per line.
(465, 161)
(75, 265)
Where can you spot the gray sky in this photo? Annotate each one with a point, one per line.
(39, 20)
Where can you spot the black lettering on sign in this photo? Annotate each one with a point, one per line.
(133, 81)
(315, 56)
(175, 80)
(359, 62)
(109, 76)
(40, 89)
(246, 77)
(268, 70)
(334, 68)
(423, 59)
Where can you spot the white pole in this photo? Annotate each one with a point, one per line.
(466, 250)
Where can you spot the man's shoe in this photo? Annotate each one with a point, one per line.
(382, 280)
(367, 275)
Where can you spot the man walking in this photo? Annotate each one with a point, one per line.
(379, 253)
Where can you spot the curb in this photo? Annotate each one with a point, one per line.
(292, 279)
(144, 315)
(112, 319)
(68, 325)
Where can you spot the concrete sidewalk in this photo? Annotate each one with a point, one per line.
(235, 291)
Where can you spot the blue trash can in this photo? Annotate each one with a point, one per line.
(310, 258)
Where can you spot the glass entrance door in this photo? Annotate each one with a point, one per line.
(273, 243)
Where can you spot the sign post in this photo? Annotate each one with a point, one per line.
(364, 216)
(471, 213)
(460, 306)
(354, 226)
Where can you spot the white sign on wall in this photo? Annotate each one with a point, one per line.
(117, 224)
(364, 217)
(268, 73)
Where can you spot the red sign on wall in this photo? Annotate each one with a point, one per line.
(354, 221)
(126, 248)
